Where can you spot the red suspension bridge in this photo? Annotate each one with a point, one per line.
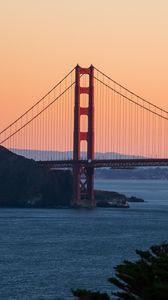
(89, 121)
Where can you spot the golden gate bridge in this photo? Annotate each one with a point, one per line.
(88, 121)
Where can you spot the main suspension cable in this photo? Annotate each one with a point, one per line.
(129, 99)
(129, 91)
(39, 101)
(39, 113)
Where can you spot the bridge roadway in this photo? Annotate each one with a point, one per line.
(104, 163)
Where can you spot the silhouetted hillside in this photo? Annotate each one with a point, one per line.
(24, 184)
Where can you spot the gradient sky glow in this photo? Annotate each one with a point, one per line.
(41, 40)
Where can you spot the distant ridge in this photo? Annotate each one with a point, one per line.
(61, 155)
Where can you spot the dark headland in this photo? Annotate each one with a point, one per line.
(23, 183)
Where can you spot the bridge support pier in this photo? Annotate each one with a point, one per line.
(83, 186)
(83, 174)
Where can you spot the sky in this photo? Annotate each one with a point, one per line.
(41, 40)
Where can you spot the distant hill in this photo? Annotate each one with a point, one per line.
(135, 173)
(24, 184)
(54, 155)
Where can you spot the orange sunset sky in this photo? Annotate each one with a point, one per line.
(41, 40)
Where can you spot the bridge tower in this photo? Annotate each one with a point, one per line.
(83, 173)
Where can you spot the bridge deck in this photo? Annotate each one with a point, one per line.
(103, 163)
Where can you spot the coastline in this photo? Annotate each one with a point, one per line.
(103, 199)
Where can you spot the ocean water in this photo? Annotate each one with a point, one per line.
(44, 253)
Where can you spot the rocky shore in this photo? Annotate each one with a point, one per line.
(114, 199)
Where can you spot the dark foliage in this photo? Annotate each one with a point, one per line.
(147, 278)
(144, 279)
(87, 295)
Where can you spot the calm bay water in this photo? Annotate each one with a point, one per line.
(44, 253)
